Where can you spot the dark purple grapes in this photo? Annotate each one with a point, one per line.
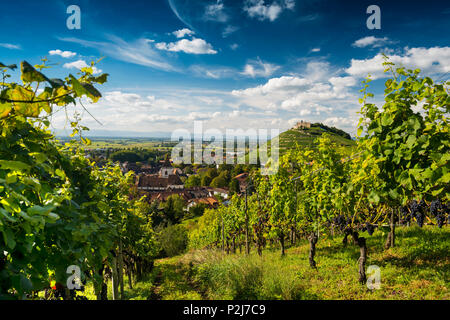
(420, 217)
(370, 228)
(435, 207)
(440, 219)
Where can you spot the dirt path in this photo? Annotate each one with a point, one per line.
(175, 280)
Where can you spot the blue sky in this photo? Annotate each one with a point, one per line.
(231, 64)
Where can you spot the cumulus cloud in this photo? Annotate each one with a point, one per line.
(194, 46)
(261, 11)
(312, 96)
(317, 70)
(79, 64)
(183, 32)
(273, 86)
(64, 54)
(315, 50)
(258, 68)
(257, 9)
(429, 60)
(371, 41)
(341, 121)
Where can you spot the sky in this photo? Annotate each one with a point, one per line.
(261, 64)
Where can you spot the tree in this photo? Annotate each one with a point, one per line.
(192, 181)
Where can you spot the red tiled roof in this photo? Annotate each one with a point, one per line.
(155, 181)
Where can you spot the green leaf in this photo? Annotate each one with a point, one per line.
(11, 66)
(101, 78)
(30, 74)
(410, 141)
(77, 87)
(5, 109)
(38, 210)
(7, 216)
(92, 93)
(8, 237)
(373, 197)
(14, 165)
(386, 120)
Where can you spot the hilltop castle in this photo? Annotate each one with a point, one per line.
(302, 125)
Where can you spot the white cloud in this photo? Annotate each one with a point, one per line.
(317, 70)
(64, 54)
(11, 46)
(79, 64)
(341, 83)
(312, 96)
(429, 60)
(372, 41)
(140, 52)
(229, 30)
(289, 4)
(273, 86)
(258, 68)
(234, 46)
(213, 71)
(341, 121)
(216, 12)
(183, 32)
(258, 9)
(315, 50)
(194, 46)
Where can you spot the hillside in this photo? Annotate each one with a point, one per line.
(306, 137)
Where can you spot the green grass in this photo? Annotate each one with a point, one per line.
(418, 267)
(290, 138)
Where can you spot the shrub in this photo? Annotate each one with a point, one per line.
(173, 240)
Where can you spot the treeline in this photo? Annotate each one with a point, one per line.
(222, 177)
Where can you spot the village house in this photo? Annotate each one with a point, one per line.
(211, 202)
(166, 179)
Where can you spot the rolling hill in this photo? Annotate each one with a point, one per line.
(306, 137)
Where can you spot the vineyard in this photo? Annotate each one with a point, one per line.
(59, 209)
(398, 175)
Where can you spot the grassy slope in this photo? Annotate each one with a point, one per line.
(417, 268)
(290, 138)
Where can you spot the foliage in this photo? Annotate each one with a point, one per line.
(57, 208)
(173, 239)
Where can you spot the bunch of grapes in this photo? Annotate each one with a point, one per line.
(435, 207)
(340, 221)
(440, 219)
(418, 211)
(405, 215)
(420, 217)
(439, 210)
